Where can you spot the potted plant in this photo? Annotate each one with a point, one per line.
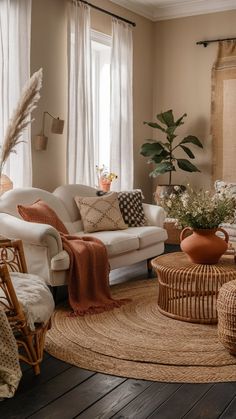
(105, 178)
(202, 213)
(162, 153)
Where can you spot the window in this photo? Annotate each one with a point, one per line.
(101, 61)
(15, 21)
(15, 29)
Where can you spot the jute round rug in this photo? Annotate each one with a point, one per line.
(137, 341)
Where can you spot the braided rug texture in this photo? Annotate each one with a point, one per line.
(137, 341)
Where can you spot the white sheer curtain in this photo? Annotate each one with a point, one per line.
(121, 160)
(15, 29)
(80, 150)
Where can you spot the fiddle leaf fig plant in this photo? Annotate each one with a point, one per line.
(162, 153)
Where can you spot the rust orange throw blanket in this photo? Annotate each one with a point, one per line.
(88, 277)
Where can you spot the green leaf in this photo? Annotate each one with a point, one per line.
(162, 168)
(179, 121)
(158, 159)
(151, 140)
(170, 131)
(152, 149)
(187, 165)
(166, 118)
(192, 139)
(154, 125)
(188, 151)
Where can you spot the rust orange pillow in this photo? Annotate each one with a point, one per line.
(40, 212)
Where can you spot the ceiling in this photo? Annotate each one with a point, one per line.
(170, 9)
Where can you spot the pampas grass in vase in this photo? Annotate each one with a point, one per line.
(19, 121)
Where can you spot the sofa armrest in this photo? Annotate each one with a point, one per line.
(154, 214)
(31, 233)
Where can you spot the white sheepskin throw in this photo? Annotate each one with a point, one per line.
(35, 297)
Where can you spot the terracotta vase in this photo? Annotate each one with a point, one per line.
(104, 184)
(203, 246)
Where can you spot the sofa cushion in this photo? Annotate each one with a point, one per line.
(66, 194)
(116, 242)
(148, 235)
(40, 212)
(131, 207)
(74, 227)
(100, 213)
(35, 297)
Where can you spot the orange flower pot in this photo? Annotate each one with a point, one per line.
(104, 184)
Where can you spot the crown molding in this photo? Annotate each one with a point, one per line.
(192, 8)
(143, 10)
(175, 9)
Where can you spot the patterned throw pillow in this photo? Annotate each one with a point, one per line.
(40, 212)
(100, 213)
(131, 207)
(220, 185)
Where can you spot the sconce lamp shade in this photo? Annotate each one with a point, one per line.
(57, 126)
(40, 141)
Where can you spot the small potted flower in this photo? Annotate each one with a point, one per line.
(105, 178)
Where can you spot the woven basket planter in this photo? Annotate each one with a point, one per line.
(226, 306)
(173, 231)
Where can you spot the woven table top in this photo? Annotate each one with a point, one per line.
(178, 261)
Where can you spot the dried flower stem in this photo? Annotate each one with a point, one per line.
(21, 116)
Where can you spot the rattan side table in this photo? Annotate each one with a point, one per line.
(226, 307)
(188, 291)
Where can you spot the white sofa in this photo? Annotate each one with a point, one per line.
(42, 243)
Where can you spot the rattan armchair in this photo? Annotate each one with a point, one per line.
(30, 342)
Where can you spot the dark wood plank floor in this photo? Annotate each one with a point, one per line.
(63, 391)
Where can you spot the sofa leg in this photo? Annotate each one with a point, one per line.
(54, 293)
(149, 268)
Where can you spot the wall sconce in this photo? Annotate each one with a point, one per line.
(56, 128)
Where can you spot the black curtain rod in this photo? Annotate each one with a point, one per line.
(205, 43)
(108, 13)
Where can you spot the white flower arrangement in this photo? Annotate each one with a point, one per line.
(200, 209)
(103, 173)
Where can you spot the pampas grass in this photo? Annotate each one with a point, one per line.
(21, 116)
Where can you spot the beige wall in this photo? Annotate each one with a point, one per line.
(170, 71)
(182, 79)
(49, 51)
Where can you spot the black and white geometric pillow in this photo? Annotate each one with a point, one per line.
(131, 208)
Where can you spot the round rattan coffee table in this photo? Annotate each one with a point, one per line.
(188, 291)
